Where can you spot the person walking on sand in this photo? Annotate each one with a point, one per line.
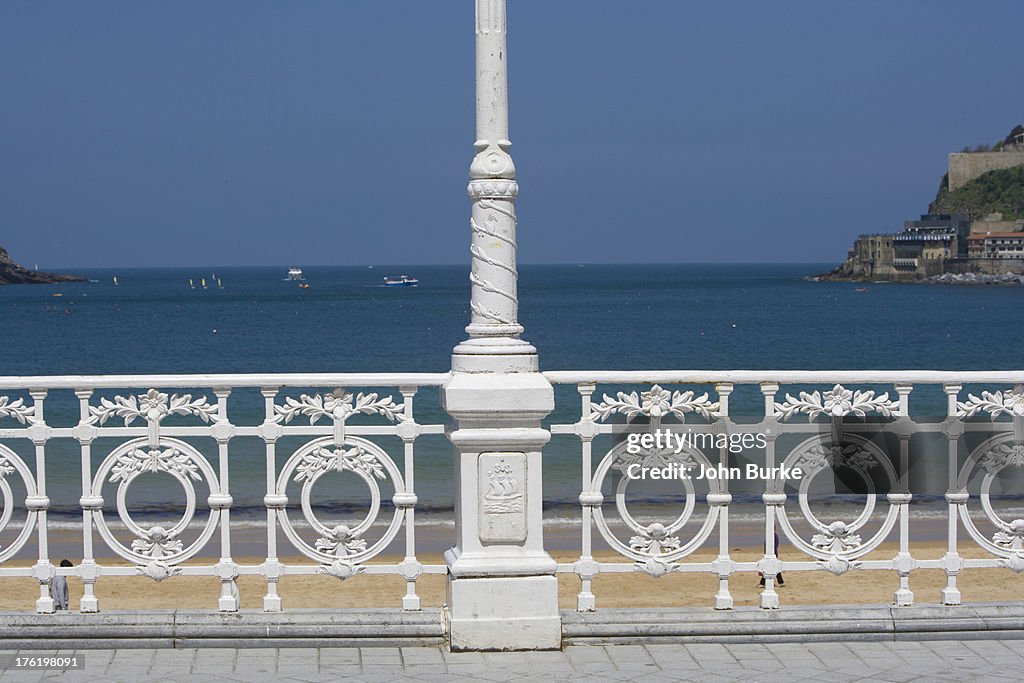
(59, 588)
(778, 577)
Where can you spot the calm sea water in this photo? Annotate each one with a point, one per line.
(592, 317)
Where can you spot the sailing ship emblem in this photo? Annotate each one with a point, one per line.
(504, 494)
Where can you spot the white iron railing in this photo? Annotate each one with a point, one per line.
(975, 453)
(861, 422)
(154, 428)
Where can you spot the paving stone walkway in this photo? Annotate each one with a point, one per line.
(974, 660)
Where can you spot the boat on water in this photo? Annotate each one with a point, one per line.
(115, 280)
(295, 274)
(401, 281)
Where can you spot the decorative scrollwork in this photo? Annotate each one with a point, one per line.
(153, 406)
(995, 404)
(653, 458)
(5, 467)
(838, 565)
(325, 459)
(820, 456)
(837, 402)
(18, 410)
(490, 314)
(158, 543)
(339, 405)
(139, 460)
(655, 567)
(655, 402)
(1002, 455)
(654, 539)
(837, 537)
(341, 541)
(1011, 537)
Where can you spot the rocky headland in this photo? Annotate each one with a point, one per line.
(13, 274)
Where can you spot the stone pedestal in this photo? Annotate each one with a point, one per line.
(502, 591)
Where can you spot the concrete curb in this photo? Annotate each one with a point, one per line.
(394, 628)
(795, 624)
(248, 628)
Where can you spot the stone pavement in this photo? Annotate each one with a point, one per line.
(973, 660)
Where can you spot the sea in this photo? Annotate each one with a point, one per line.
(579, 316)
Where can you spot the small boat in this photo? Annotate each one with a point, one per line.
(303, 285)
(295, 274)
(861, 289)
(402, 281)
(191, 284)
(115, 279)
(202, 281)
(219, 285)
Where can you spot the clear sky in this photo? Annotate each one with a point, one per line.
(340, 132)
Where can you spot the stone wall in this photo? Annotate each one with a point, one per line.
(966, 166)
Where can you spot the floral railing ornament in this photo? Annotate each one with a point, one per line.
(656, 403)
(339, 405)
(17, 410)
(152, 406)
(994, 403)
(324, 459)
(821, 456)
(139, 460)
(837, 402)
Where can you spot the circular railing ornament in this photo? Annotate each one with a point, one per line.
(156, 549)
(341, 549)
(994, 455)
(11, 463)
(838, 544)
(654, 547)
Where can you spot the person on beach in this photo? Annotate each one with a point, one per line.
(778, 577)
(59, 588)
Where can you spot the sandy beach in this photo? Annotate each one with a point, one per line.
(631, 589)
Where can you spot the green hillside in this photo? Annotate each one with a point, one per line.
(1001, 191)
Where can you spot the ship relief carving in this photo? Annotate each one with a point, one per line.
(502, 497)
(504, 492)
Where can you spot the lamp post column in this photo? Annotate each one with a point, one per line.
(502, 590)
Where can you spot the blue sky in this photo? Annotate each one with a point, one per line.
(250, 133)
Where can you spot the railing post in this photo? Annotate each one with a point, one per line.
(502, 591)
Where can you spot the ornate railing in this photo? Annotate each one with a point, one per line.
(184, 429)
(860, 428)
(858, 433)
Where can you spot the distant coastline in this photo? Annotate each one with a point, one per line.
(972, 234)
(11, 273)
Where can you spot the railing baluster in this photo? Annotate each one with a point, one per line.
(952, 563)
(272, 568)
(724, 565)
(585, 601)
(88, 570)
(408, 431)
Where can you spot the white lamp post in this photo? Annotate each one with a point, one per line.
(502, 592)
